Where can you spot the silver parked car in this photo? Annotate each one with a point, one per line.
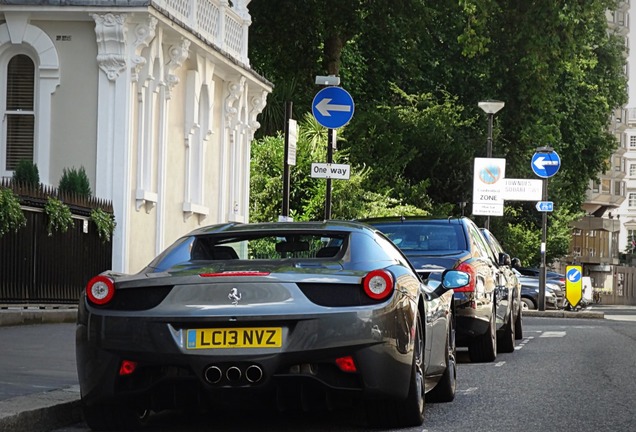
(272, 314)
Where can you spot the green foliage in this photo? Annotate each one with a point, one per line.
(417, 127)
(522, 238)
(11, 215)
(105, 223)
(59, 216)
(75, 182)
(307, 195)
(26, 172)
(422, 139)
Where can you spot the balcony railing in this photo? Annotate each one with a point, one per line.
(214, 21)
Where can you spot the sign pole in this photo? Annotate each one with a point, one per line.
(332, 108)
(330, 146)
(286, 171)
(545, 163)
(544, 237)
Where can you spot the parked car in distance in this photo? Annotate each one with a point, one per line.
(530, 295)
(552, 285)
(535, 271)
(513, 288)
(437, 244)
(272, 314)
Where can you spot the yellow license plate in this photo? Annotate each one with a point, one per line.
(262, 337)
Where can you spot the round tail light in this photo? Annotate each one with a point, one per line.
(378, 284)
(100, 290)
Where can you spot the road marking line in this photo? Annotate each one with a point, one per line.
(500, 364)
(553, 334)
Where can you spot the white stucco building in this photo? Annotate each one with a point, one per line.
(155, 99)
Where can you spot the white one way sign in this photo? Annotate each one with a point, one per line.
(332, 171)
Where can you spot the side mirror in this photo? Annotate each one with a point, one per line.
(504, 259)
(453, 279)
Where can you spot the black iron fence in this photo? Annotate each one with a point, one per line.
(36, 268)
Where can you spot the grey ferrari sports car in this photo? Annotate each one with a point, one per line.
(292, 314)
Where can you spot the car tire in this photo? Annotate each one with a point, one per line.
(519, 324)
(506, 342)
(528, 304)
(407, 412)
(483, 348)
(445, 389)
(114, 417)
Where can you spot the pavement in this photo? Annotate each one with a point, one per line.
(39, 390)
(53, 408)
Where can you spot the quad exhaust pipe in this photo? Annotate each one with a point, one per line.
(234, 374)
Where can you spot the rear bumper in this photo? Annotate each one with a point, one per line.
(472, 317)
(169, 375)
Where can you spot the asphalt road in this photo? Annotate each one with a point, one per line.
(566, 375)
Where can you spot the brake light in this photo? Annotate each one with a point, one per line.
(346, 364)
(235, 273)
(470, 286)
(127, 367)
(378, 284)
(100, 290)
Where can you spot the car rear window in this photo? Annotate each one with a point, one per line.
(252, 246)
(425, 236)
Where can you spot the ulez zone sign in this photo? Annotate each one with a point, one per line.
(487, 186)
(330, 170)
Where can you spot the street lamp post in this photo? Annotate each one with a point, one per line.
(490, 107)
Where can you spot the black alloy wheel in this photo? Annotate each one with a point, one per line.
(483, 348)
(445, 389)
(506, 342)
(519, 324)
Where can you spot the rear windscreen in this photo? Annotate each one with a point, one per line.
(425, 236)
(252, 246)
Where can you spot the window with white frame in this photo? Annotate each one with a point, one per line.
(632, 170)
(18, 112)
(619, 188)
(631, 199)
(606, 186)
(632, 142)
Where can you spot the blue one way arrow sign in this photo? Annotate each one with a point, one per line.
(544, 206)
(332, 107)
(545, 164)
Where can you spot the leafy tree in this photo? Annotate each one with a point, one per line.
(307, 195)
(417, 70)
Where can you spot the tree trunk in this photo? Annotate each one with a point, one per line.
(332, 52)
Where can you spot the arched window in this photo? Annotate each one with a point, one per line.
(19, 113)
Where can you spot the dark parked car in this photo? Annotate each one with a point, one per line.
(552, 285)
(513, 285)
(535, 271)
(433, 245)
(288, 314)
(530, 295)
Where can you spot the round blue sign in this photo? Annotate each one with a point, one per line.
(332, 107)
(573, 275)
(545, 164)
